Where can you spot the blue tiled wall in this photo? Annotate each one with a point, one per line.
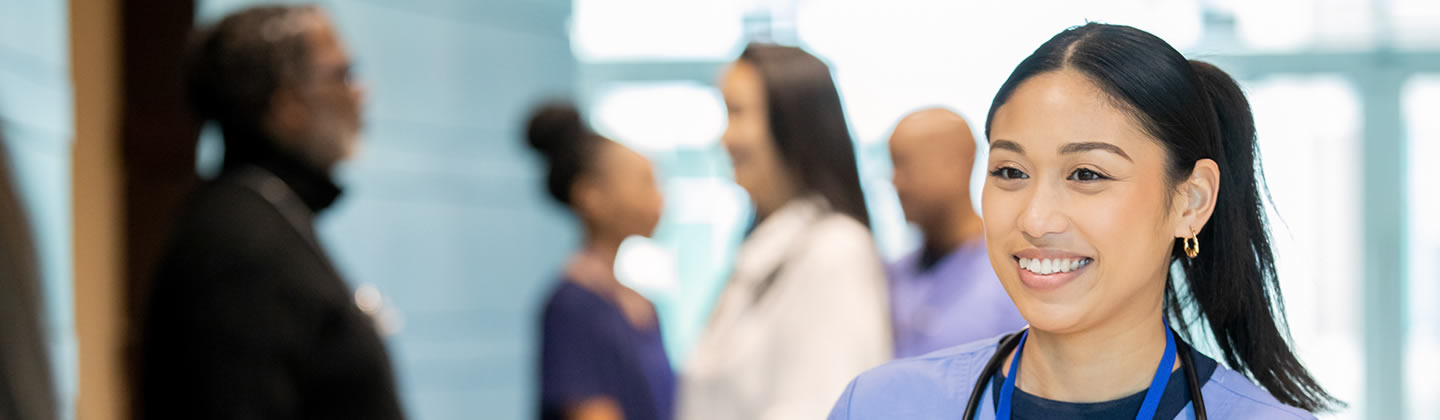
(36, 120)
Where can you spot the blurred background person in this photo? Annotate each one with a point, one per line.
(249, 318)
(27, 391)
(805, 306)
(945, 294)
(602, 356)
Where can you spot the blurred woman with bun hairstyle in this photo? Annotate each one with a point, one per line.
(601, 351)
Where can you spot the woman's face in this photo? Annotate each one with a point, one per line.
(757, 162)
(1075, 211)
(620, 195)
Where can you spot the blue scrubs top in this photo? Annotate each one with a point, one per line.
(589, 349)
(950, 302)
(1173, 401)
(937, 386)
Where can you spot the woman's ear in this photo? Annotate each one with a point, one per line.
(585, 198)
(1195, 198)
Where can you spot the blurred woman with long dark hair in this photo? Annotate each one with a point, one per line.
(806, 307)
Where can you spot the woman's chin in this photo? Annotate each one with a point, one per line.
(1051, 316)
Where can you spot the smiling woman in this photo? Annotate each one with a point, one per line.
(1063, 187)
(1112, 159)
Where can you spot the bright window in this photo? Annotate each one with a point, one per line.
(1309, 134)
(1422, 103)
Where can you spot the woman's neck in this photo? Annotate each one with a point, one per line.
(783, 194)
(595, 269)
(593, 266)
(602, 249)
(1104, 363)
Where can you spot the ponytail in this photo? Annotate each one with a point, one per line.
(1233, 284)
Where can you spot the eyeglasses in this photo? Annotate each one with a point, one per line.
(343, 75)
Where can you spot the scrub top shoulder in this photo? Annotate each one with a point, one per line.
(938, 385)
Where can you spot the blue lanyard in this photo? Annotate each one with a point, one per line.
(1152, 395)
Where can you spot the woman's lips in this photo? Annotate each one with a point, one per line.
(1051, 273)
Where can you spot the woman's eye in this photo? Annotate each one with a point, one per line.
(1086, 175)
(1008, 173)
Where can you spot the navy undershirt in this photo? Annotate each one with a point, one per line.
(1172, 402)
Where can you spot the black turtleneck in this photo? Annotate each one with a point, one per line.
(248, 318)
(313, 185)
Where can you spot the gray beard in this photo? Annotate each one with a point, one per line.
(328, 141)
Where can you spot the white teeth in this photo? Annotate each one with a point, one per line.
(1052, 266)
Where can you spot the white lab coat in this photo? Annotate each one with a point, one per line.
(823, 319)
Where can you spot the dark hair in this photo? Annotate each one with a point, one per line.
(26, 387)
(808, 125)
(236, 65)
(558, 133)
(1197, 112)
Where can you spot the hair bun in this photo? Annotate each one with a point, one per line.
(555, 128)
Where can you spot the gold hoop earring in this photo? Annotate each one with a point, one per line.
(1192, 245)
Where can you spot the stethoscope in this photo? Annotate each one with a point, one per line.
(1010, 342)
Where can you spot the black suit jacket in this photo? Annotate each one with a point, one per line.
(248, 318)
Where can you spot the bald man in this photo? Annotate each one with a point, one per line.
(944, 294)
